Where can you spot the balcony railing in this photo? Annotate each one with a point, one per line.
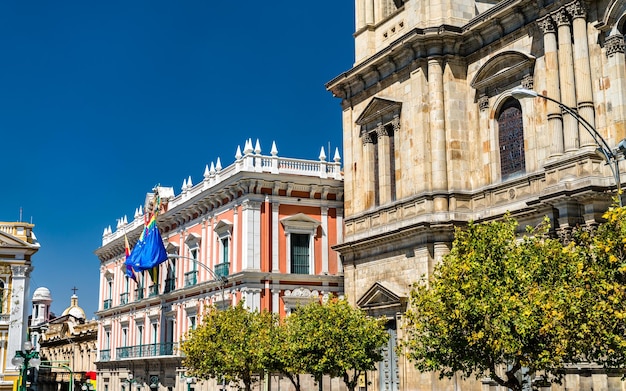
(150, 350)
(153, 290)
(105, 355)
(191, 278)
(221, 269)
(139, 293)
(124, 298)
(107, 304)
(170, 285)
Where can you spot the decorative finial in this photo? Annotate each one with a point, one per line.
(322, 156)
(337, 158)
(257, 147)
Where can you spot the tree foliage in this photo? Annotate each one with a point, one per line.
(498, 303)
(282, 354)
(226, 345)
(335, 339)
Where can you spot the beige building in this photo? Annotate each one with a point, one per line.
(67, 345)
(18, 244)
(434, 137)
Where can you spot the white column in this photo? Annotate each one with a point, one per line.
(235, 238)
(275, 301)
(251, 235)
(324, 212)
(275, 233)
(339, 226)
(202, 251)
(18, 317)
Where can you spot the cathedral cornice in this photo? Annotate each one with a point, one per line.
(453, 43)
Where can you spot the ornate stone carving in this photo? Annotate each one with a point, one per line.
(483, 102)
(561, 17)
(547, 25)
(395, 123)
(381, 131)
(577, 10)
(614, 44)
(528, 82)
(366, 138)
(20, 271)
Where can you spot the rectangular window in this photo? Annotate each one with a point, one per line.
(155, 335)
(192, 322)
(125, 336)
(139, 334)
(169, 331)
(224, 255)
(299, 253)
(107, 340)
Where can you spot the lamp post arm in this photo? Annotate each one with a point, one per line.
(594, 133)
(600, 141)
(214, 276)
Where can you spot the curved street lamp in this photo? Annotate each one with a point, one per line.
(25, 358)
(221, 280)
(603, 147)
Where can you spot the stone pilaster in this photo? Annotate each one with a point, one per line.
(555, 120)
(582, 67)
(437, 130)
(384, 165)
(369, 173)
(616, 69)
(566, 78)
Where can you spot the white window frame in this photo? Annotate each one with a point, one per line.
(300, 224)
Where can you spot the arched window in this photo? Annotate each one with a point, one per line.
(511, 139)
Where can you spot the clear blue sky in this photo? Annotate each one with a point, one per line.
(100, 101)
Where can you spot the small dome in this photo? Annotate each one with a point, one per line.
(74, 309)
(42, 294)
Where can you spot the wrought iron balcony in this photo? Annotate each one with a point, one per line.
(222, 269)
(124, 298)
(149, 350)
(170, 285)
(139, 293)
(107, 304)
(153, 290)
(105, 355)
(191, 278)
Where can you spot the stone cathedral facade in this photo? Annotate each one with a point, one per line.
(434, 137)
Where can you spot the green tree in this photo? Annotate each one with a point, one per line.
(226, 345)
(498, 303)
(282, 353)
(335, 339)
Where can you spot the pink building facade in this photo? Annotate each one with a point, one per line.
(260, 230)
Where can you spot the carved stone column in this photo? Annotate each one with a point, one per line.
(384, 165)
(555, 120)
(614, 48)
(369, 11)
(487, 170)
(566, 77)
(368, 177)
(582, 67)
(439, 166)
